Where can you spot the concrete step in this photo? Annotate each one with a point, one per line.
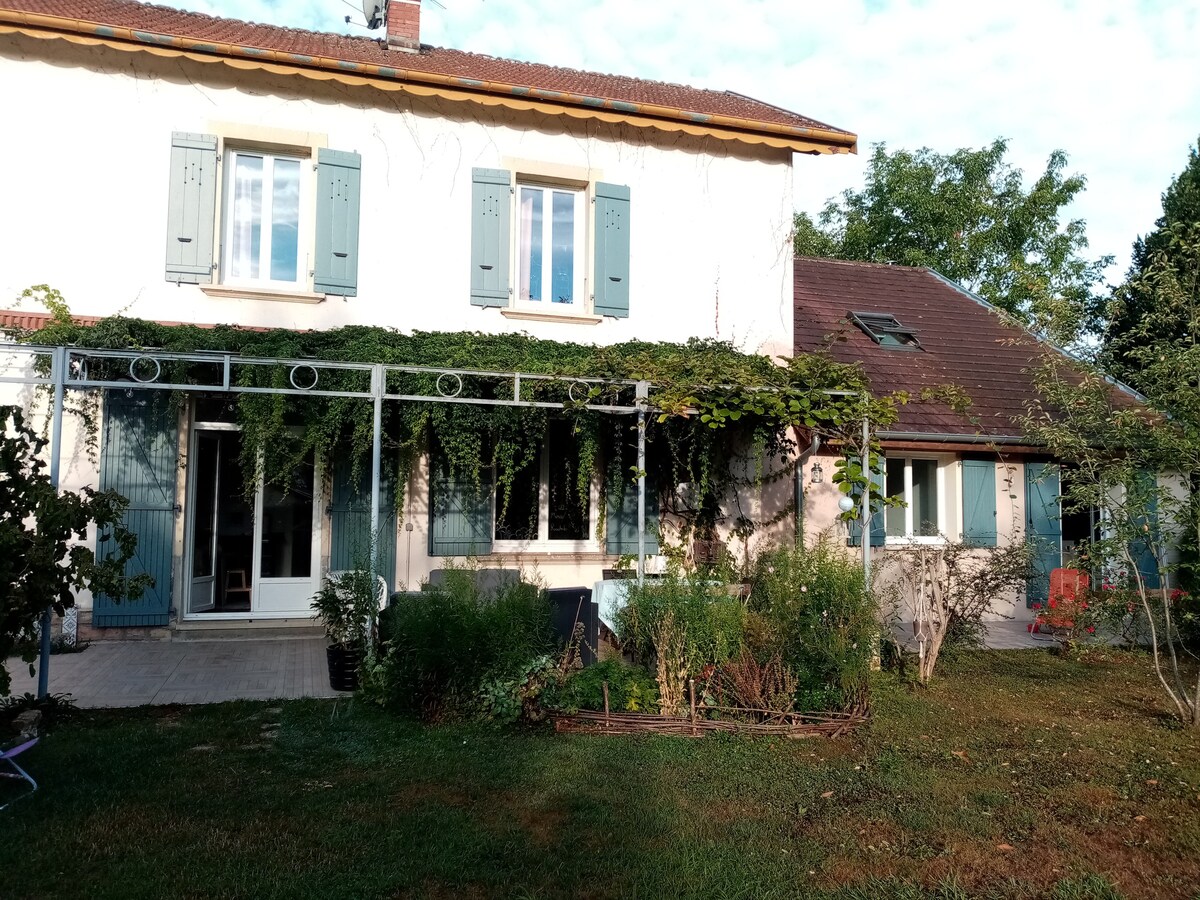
(247, 631)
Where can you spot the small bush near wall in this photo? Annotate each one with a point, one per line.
(681, 626)
(440, 645)
(811, 609)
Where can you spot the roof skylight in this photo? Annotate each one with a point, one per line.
(886, 330)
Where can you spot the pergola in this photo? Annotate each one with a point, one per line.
(62, 368)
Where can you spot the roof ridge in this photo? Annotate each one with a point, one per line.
(861, 263)
(436, 56)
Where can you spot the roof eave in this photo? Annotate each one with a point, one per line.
(800, 139)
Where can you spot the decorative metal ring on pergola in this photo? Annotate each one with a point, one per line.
(78, 368)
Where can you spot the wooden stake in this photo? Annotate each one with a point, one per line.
(692, 697)
(605, 685)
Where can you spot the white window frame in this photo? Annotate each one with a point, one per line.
(909, 536)
(542, 543)
(581, 302)
(306, 233)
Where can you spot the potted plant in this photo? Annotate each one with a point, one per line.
(346, 604)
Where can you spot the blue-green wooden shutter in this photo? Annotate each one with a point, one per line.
(191, 208)
(460, 517)
(350, 517)
(612, 251)
(620, 528)
(491, 211)
(1043, 527)
(878, 519)
(1142, 550)
(979, 502)
(339, 182)
(139, 453)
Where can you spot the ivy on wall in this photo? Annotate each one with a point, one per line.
(711, 405)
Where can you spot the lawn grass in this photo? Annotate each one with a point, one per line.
(1054, 758)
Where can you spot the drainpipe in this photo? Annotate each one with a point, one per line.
(813, 446)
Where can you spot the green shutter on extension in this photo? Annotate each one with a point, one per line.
(979, 502)
(491, 210)
(612, 251)
(191, 208)
(339, 188)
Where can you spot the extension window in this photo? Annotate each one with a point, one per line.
(920, 484)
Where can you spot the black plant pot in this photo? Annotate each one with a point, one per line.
(343, 666)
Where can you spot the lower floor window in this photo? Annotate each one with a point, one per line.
(915, 481)
(544, 501)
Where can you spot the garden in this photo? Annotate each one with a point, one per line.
(792, 639)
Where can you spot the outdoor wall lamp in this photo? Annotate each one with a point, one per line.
(816, 474)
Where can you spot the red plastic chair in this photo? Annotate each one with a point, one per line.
(1067, 588)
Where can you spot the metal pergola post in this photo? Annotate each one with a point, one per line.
(377, 378)
(643, 391)
(58, 365)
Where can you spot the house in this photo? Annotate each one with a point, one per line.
(178, 167)
(956, 455)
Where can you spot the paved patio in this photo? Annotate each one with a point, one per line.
(1005, 635)
(133, 673)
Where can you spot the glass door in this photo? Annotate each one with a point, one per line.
(285, 538)
(205, 489)
(251, 552)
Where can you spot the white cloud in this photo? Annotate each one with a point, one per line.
(1113, 83)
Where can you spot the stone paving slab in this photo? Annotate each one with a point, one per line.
(134, 673)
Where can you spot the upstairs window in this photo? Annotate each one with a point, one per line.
(886, 330)
(262, 220)
(550, 242)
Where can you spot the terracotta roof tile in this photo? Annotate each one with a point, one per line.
(431, 60)
(964, 342)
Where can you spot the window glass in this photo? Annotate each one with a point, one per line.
(530, 250)
(895, 516)
(262, 234)
(563, 244)
(518, 521)
(924, 497)
(287, 527)
(245, 232)
(568, 516)
(285, 219)
(548, 229)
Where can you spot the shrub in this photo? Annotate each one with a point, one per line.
(820, 619)
(441, 644)
(761, 686)
(682, 626)
(630, 689)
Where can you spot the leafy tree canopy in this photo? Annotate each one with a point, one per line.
(968, 216)
(1155, 256)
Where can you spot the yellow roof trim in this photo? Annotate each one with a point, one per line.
(800, 140)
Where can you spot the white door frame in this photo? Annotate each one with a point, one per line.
(262, 606)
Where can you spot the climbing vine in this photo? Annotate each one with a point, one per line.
(711, 405)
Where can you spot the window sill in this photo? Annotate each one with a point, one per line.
(251, 293)
(599, 557)
(530, 315)
(915, 542)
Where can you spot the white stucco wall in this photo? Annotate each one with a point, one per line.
(710, 219)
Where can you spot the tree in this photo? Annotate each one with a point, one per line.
(1140, 466)
(1135, 299)
(968, 216)
(40, 566)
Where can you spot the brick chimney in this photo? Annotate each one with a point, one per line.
(404, 25)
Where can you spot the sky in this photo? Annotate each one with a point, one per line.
(1113, 83)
